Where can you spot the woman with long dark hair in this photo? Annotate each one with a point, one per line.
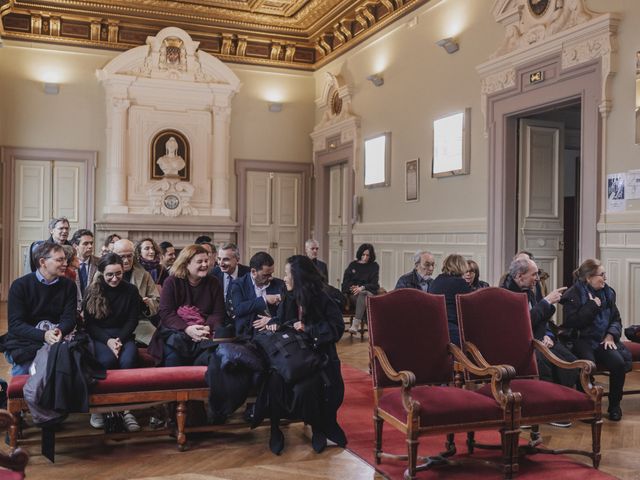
(590, 309)
(316, 399)
(111, 311)
(147, 254)
(359, 281)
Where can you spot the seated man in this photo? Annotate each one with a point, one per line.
(523, 277)
(229, 268)
(42, 295)
(312, 248)
(212, 251)
(138, 276)
(58, 233)
(82, 241)
(167, 255)
(420, 277)
(257, 293)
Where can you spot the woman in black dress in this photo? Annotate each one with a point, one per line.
(590, 310)
(359, 281)
(111, 311)
(450, 283)
(316, 399)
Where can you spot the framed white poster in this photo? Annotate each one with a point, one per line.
(451, 141)
(377, 160)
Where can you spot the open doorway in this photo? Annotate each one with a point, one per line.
(548, 189)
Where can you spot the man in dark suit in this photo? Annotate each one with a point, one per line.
(420, 277)
(312, 248)
(229, 267)
(253, 295)
(83, 241)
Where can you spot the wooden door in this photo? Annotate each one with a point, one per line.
(273, 218)
(540, 196)
(338, 225)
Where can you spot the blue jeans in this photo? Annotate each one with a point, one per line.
(17, 368)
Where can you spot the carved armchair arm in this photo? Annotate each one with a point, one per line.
(586, 367)
(406, 377)
(501, 375)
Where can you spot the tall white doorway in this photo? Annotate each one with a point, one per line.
(39, 185)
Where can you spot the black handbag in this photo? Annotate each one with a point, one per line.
(633, 333)
(113, 422)
(289, 354)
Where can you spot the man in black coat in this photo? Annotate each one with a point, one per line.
(44, 295)
(420, 277)
(257, 293)
(523, 277)
(312, 249)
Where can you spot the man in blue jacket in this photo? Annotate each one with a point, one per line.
(257, 293)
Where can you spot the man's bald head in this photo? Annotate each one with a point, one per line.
(124, 248)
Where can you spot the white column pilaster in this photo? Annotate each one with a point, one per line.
(116, 199)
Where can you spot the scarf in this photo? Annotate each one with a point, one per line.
(598, 329)
(151, 266)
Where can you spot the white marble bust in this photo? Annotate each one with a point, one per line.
(171, 163)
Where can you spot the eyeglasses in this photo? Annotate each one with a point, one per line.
(603, 274)
(430, 264)
(126, 256)
(110, 275)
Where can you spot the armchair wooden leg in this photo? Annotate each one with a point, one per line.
(181, 421)
(449, 445)
(596, 432)
(378, 423)
(13, 432)
(510, 452)
(412, 450)
(535, 438)
(471, 442)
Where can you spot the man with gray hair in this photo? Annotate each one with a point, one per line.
(421, 276)
(58, 233)
(523, 277)
(312, 248)
(229, 267)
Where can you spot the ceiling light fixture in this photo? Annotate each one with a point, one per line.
(275, 107)
(449, 44)
(376, 79)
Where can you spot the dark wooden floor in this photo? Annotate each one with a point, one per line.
(244, 454)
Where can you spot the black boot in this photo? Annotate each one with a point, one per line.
(615, 414)
(276, 441)
(318, 439)
(336, 435)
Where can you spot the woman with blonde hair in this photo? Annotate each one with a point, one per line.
(590, 310)
(191, 307)
(449, 283)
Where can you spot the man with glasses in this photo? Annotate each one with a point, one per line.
(138, 276)
(421, 276)
(523, 277)
(58, 233)
(37, 301)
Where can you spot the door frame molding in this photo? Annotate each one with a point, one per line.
(8, 157)
(242, 166)
(324, 160)
(581, 84)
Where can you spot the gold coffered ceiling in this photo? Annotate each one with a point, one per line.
(304, 34)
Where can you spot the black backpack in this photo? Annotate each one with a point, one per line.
(289, 354)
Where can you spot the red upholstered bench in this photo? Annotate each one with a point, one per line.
(127, 388)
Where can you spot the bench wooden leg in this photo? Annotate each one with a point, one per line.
(181, 421)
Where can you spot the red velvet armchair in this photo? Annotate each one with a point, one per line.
(495, 327)
(412, 366)
(12, 465)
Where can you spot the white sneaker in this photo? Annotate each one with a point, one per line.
(355, 326)
(130, 422)
(96, 420)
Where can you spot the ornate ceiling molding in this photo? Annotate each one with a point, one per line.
(301, 34)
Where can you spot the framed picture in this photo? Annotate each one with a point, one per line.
(377, 160)
(451, 141)
(170, 155)
(412, 180)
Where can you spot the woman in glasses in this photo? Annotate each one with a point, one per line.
(590, 310)
(111, 310)
(472, 276)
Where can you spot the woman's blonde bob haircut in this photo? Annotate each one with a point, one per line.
(455, 265)
(179, 267)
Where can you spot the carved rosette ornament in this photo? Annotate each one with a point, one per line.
(171, 197)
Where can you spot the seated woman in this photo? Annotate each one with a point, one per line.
(590, 309)
(111, 310)
(450, 283)
(315, 400)
(472, 276)
(360, 280)
(107, 246)
(147, 254)
(191, 306)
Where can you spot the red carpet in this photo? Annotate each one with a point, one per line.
(355, 417)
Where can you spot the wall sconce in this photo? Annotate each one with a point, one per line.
(376, 79)
(275, 107)
(51, 88)
(449, 44)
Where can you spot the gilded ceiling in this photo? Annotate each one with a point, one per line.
(303, 34)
